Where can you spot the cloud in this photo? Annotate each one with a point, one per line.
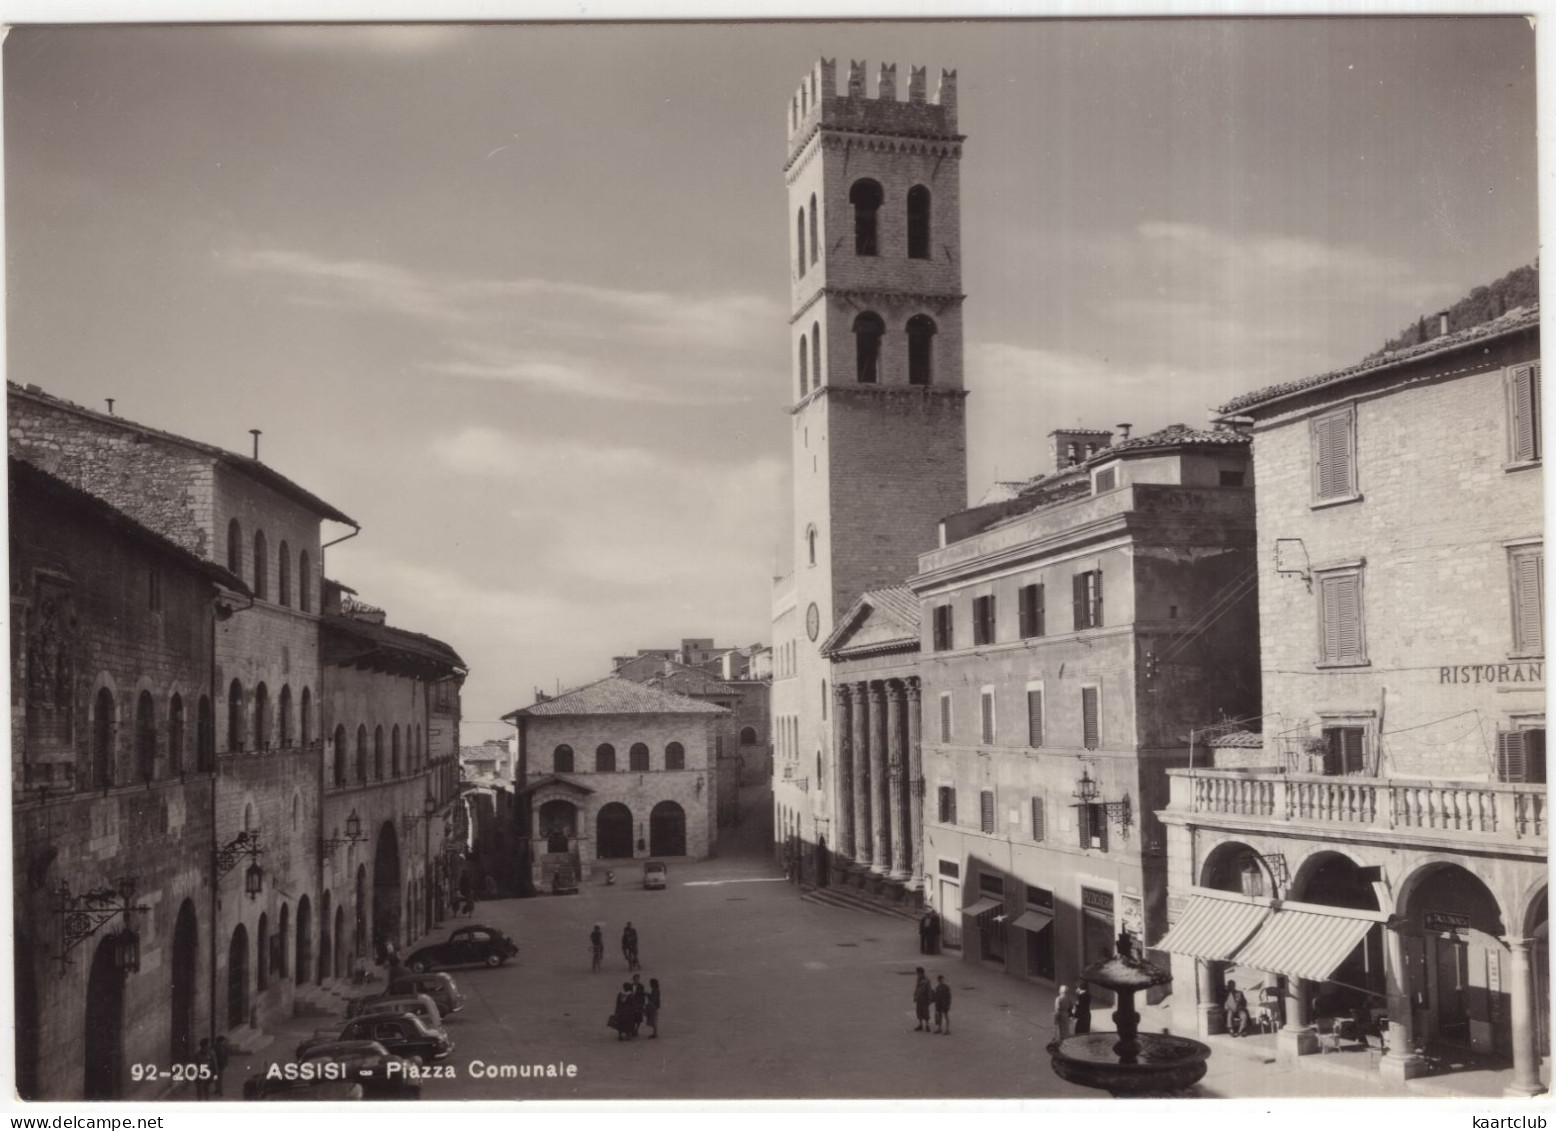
(382, 40)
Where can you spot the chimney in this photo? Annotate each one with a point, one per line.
(110, 405)
(1124, 428)
(256, 433)
(1442, 322)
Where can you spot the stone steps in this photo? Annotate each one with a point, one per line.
(858, 901)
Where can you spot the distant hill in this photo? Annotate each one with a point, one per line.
(1519, 287)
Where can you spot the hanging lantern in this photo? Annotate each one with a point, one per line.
(353, 827)
(254, 880)
(126, 952)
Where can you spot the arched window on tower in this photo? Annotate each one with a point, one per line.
(284, 716)
(284, 574)
(815, 238)
(235, 548)
(868, 331)
(261, 717)
(810, 543)
(866, 198)
(304, 582)
(804, 370)
(261, 565)
(799, 241)
(921, 350)
(234, 717)
(306, 718)
(175, 737)
(145, 737)
(362, 753)
(815, 353)
(918, 222)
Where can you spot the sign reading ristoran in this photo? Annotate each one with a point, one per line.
(1531, 672)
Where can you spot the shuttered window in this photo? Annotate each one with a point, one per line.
(1030, 602)
(1527, 565)
(1091, 722)
(1035, 717)
(986, 704)
(1087, 599)
(1521, 756)
(1092, 823)
(1039, 820)
(947, 805)
(983, 620)
(945, 717)
(986, 810)
(1107, 480)
(1523, 411)
(942, 628)
(1341, 638)
(1334, 455)
(1345, 750)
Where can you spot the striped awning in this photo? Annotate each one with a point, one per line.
(983, 904)
(1304, 944)
(1034, 920)
(1213, 928)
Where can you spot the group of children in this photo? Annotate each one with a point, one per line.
(938, 995)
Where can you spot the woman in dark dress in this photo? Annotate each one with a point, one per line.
(652, 1007)
(621, 1019)
(1080, 1012)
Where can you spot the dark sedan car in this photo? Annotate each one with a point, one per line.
(466, 946)
(402, 1035)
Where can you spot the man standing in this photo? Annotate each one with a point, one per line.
(597, 945)
(629, 946)
(639, 1002)
(942, 1005)
(922, 994)
(1081, 1010)
(1063, 1004)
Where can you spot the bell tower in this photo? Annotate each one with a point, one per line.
(878, 407)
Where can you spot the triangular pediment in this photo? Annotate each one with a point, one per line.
(879, 620)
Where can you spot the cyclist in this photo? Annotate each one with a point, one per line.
(597, 946)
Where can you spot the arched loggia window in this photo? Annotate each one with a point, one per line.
(918, 222)
(810, 543)
(284, 574)
(815, 353)
(235, 548)
(868, 331)
(261, 566)
(814, 237)
(866, 197)
(804, 369)
(799, 242)
(921, 350)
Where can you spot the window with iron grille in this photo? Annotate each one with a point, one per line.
(947, 805)
(1039, 819)
(1088, 599)
(1030, 602)
(1092, 821)
(1034, 716)
(986, 811)
(1527, 566)
(983, 620)
(1341, 628)
(945, 716)
(942, 624)
(1091, 720)
(986, 707)
(1523, 413)
(1521, 756)
(1334, 455)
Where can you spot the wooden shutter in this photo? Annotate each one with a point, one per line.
(1034, 718)
(1078, 599)
(1090, 729)
(1026, 603)
(1529, 599)
(1332, 455)
(1107, 480)
(1039, 820)
(1341, 613)
(986, 701)
(1040, 615)
(1524, 406)
(945, 718)
(986, 810)
(1512, 765)
(1083, 824)
(1096, 604)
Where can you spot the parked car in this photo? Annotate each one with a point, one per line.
(654, 874)
(441, 988)
(400, 1034)
(465, 946)
(417, 1005)
(381, 1074)
(564, 881)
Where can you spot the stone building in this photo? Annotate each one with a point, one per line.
(878, 414)
(618, 771)
(1377, 850)
(1071, 638)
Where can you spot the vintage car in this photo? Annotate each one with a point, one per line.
(417, 1005)
(564, 881)
(441, 988)
(400, 1034)
(466, 946)
(381, 1074)
(654, 874)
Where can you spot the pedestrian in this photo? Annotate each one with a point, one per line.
(942, 1005)
(639, 1002)
(923, 934)
(629, 946)
(205, 1069)
(653, 1007)
(1236, 1008)
(934, 932)
(923, 994)
(222, 1055)
(597, 946)
(1080, 1012)
(621, 1017)
(1063, 1003)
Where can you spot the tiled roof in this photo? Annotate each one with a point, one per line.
(347, 640)
(28, 476)
(1174, 436)
(1519, 318)
(616, 696)
(694, 680)
(898, 600)
(246, 464)
(1238, 739)
(895, 602)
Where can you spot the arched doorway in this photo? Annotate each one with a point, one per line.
(302, 968)
(386, 891)
(667, 830)
(103, 1043)
(613, 832)
(183, 982)
(359, 933)
(238, 978)
(1461, 976)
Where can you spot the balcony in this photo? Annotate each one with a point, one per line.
(1407, 810)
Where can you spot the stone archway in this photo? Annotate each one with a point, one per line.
(238, 978)
(667, 830)
(359, 931)
(1234, 866)
(1334, 879)
(613, 832)
(103, 1041)
(386, 891)
(183, 983)
(1454, 927)
(326, 950)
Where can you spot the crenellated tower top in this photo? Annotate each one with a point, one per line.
(817, 104)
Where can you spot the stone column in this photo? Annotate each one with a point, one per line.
(1521, 994)
(843, 798)
(879, 781)
(1212, 1017)
(863, 841)
(915, 787)
(1297, 1037)
(897, 744)
(1400, 1062)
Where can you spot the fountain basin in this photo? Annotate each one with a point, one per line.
(1164, 1065)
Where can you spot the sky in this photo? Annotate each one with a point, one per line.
(515, 297)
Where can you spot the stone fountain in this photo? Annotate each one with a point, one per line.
(1129, 1063)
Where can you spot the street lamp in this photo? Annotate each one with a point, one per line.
(82, 916)
(354, 829)
(226, 858)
